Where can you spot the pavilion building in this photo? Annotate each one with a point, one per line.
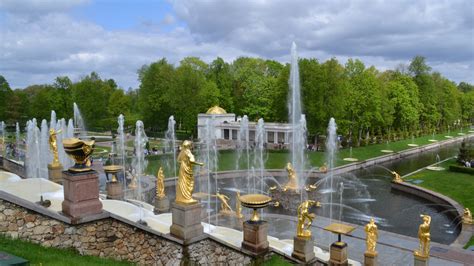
(227, 127)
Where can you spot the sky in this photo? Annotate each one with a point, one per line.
(43, 39)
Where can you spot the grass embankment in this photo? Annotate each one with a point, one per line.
(39, 255)
(278, 159)
(458, 186)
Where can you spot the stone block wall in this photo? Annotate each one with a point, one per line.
(113, 238)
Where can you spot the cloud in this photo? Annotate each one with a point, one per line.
(40, 40)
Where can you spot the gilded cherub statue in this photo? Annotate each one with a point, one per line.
(467, 216)
(292, 178)
(396, 177)
(324, 168)
(305, 218)
(185, 187)
(372, 235)
(53, 145)
(160, 184)
(225, 208)
(424, 236)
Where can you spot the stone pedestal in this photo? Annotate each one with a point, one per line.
(162, 205)
(303, 249)
(81, 194)
(114, 190)
(55, 173)
(338, 254)
(186, 221)
(255, 236)
(421, 260)
(370, 258)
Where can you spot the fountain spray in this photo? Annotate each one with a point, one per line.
(140, 162)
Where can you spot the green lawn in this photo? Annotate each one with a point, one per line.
(470, 243)
(276, 260)
(278, 159)
(458, 186)
(39, 255)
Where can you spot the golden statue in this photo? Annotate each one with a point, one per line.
(323, 168)
(184, 189)
(160, 184)
(225, 208)
(238, 206)
(467, 216)
(396, 177)
(372, 235)
(424, 236)
(302, 229)
(292, 178)
(53, 145)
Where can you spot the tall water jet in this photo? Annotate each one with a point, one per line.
(70, 129)
(243, 147)
(139, 161)
(209, 157)
(259, 162)
(331, 149)
(17, 140)
(65, 161)
(79, 124)
(32, 160)
(45, 153)
(53, 121)
(298, 139)
(170, 144)
(121, 152)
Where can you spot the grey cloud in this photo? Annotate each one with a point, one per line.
(38, 46)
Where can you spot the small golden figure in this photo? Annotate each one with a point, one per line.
(185, 187)
(324, 168)
(292, 178)
(396, 177)
(372, 235)
(160, 184)
(238, 206)
(133, 184)
(302, 229)
(467, 216)
(424, 236)
(312, 187)
(225, 208)
(53, 145)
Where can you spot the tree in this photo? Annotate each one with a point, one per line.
(5, 97)
(219, 73)
(157, 84)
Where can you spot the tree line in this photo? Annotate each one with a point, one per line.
(365, 101)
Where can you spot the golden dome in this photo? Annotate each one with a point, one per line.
(216, 110)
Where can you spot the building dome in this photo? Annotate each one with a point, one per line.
(216, 110)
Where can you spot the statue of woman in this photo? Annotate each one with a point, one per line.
(53, 146)
(160, 184)
(292, 179)
(424, 236)
(372, 235)
(184, 189)
(238, 206)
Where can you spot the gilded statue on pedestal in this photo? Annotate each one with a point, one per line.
(160, 184)
(467, 216)
(238, 206)
(396, 177)
(292, 178)
(184, 189)
(53, 145)
(424, 236)
(225, 208)
(305, 219)
(372, 235)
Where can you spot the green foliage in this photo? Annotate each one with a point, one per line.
(37, 254)
(366, 103)
(461, 169)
